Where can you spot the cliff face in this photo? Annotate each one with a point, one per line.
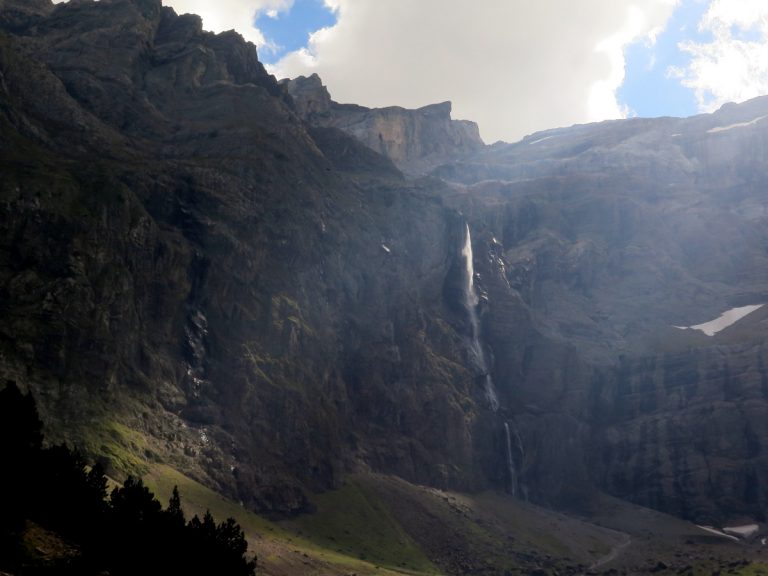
(190, 273)
(686, 432)
(612, 235)
(202, 266)
(415, 140)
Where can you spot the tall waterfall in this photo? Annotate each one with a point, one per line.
(511, 471)
(520, 479)
(517, 485)
(471, 301)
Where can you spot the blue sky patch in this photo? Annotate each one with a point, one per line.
(648, 89)
(751, 34)
(290, 30)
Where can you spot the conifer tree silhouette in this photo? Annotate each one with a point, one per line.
(126, 535)
(21, 439)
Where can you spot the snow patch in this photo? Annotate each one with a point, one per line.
(732, 126)
(712, 530)
(540, 140)
(722, 322)
(746, 531)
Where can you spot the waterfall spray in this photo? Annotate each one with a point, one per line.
(470, 302)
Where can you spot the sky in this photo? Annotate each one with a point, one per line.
(513, 66)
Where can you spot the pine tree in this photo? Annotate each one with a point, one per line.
(174, 511)
(21, 438)
(21, 431)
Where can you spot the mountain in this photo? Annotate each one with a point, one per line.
(415, 140)
(613, 235)
(207, 272)
(593, 245)
(193, 274)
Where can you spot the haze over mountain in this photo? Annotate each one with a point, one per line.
(278, 296)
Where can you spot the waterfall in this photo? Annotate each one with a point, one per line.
(516, 483)
(519, 441)
(470, 302)
(510, 462)
(470, 298)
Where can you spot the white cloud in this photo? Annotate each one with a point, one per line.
(728, 68)
(223, 15)
(602, 101)
(514, 66)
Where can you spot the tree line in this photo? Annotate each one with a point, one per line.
(127, 533)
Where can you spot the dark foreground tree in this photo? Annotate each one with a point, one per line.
(128, 534)
(219, 548)
(21, 439)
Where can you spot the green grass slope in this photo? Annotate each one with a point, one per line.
(298, 547)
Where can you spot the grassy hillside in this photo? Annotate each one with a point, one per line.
(298, 547)
(382, 525)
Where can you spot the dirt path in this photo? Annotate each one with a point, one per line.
(613, 554)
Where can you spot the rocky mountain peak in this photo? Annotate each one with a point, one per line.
(149, 8)
(165, 67)
(415, 140)
(310, 96)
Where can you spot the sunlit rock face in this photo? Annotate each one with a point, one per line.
(415, 140)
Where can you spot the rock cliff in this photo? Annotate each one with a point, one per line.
(613, 235)
(192, 274)
(415, 140)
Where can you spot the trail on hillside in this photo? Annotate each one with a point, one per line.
(613, 554)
